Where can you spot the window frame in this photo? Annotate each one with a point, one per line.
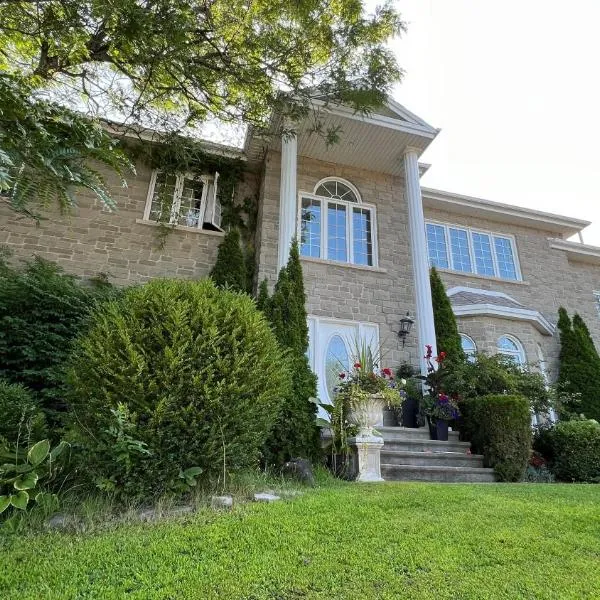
(209, 182)
(520, 349)
(349, 204)
(470, 231)
(469, 354)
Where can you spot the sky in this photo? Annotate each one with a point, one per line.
(514, 86)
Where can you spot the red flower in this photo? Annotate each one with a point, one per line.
(387, 372)
(357, 365)
(342, 375)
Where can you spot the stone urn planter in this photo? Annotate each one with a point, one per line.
(367, 444)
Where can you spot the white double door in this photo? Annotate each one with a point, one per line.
(332, 350)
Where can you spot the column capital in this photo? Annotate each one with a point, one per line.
(411, 150)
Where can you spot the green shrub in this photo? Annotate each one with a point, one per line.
(576, 449)
(500, 429)
(295, 433)
(21, 420)
(230, 267)
(446, 331)
(199, 371)
(41, 311)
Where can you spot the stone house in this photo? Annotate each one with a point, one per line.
(368, 234)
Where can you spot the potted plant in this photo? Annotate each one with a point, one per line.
(443, 410)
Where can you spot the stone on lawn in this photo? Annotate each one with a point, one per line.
(301, 469)
(218, 502)
(265, 497)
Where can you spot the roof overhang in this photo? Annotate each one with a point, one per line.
(375, 141)
(502, 213)
(577, 252)
(495, 308)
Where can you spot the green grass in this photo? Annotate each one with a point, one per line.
(346, 541)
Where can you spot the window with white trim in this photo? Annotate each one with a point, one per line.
(471, 251)
(184, 199)
(468, 347)
(511, 347)
(336, 225)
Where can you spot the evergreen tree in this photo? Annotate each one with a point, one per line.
(230, 267)
(446, 330)
(295, 434)
(262, 300)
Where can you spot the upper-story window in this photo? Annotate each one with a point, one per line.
(184, 199)
(471, 251)
(468, 346)
(336, 225)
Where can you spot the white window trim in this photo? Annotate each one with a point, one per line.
(206, 180)
(520, 349)
(349, 229)
(470, 231)
(345, 182)
(468, 337)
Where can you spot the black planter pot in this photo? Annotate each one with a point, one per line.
(442, 430)
(410, 409)
(432, 429)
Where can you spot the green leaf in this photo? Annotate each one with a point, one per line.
(322, 422)
(4, 503)
(192, 472)
(58, 450)
(38, 452)
(26, 482)
(20, 500)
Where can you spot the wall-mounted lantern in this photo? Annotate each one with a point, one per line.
(406, 324)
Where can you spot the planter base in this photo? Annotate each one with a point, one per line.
(367, 449)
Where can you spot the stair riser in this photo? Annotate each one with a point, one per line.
(396, 474)
(411, 434)
(432, 460)
(425, 446)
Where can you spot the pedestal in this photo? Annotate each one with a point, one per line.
(368, 449)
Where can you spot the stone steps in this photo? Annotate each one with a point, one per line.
(438, 459)
(409, 455)
(433, 473)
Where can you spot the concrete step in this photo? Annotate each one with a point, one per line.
(434, 473)
(425, 445)
(439, 459)
(421, 433)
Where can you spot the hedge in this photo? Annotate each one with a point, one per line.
(500, 429)
(21, 418)
(191, 371)
(576, 451)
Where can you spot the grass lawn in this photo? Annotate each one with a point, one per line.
(346, 541)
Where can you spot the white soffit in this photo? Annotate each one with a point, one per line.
(502, 213)
(577, 252)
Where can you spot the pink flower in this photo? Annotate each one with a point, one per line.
(387, 372)
(357, 365)
(342, 375)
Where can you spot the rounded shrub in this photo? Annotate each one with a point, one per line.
(500, 429)
(576, 450)
(198, 371)
(22, 418)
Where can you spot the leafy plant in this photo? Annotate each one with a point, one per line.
(576, 450)
(22, 421)
(20, 478)
(201, 375)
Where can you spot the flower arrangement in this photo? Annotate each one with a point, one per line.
(444, 408)
(439, 405)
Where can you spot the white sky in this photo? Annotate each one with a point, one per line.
(515, 87)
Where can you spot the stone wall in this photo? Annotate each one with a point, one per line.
(92, 240)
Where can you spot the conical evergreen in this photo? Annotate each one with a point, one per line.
(446, 330)
(295, 434)
(230, 267)
(262, 300)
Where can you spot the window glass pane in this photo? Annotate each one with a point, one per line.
(191, 201)
(436, 246)
(510, 348)
(459, 245)
(482, 251)
(336, 232)
(504, 257)
(336, 361)
(162, 198)
(468, 346)
(337, 190)
(310, 228)
(363, 242)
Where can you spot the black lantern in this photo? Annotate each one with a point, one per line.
(406, 324)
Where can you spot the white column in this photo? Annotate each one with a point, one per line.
(418, 245)
(287, 198)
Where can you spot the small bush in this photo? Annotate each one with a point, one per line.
(500, 429)
(576, 449)
(197, 369)
(41, 311)
(22, 422)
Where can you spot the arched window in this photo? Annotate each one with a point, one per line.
(468, 346)
(336, 225)
(510, 346)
